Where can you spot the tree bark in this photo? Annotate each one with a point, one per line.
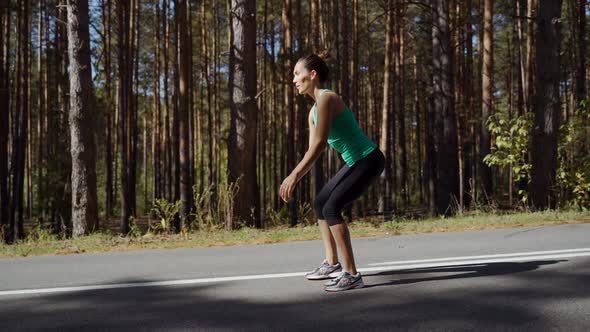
(244, 112)
(109, 190)
(84, 199)
(530, 45)
(385, 139)
(166, 146)
(4, 115)
(401, 113)
(580, 92)
(41, 103)
(487, 99)
(445, 144)
(288, 98)
(185, 53)
(124, 106)
(547, 106)
(20, 128)
(156, 117)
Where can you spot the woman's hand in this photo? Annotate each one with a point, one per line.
(288, 186)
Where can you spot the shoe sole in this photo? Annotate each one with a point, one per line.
(323, 277)
(360, 284)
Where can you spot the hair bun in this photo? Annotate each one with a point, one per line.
(324, 55)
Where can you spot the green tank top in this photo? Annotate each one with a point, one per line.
(346, 136)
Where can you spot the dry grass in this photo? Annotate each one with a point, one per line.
(42, 243)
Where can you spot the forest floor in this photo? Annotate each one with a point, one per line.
(42, 242)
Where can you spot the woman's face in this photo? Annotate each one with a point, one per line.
(302, 79)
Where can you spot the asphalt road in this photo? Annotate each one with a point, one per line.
(525, 279)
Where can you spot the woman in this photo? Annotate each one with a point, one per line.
(332, 122)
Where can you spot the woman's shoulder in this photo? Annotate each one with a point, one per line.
(329, 94)
(328, 97)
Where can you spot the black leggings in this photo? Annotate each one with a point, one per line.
(346, 186)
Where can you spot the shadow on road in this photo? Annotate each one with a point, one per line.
(499, 296)
(458, 272)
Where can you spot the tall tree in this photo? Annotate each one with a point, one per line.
(401, 113)
(84, 199)
(286, 20)
(207, 74)
(547, 106)
(530, 45)
(315, 25)
(134, 104)
(109, 190)
(244, 111)
(4, 112)
(20, 127)
(580, 32)
(487, 97)
(156, 117)
(41, 104)
(61, 206)
(166, 146)
(125, 103)
(445, 129)
(385, 143)
(185, 53)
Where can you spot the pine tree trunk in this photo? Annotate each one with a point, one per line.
(288, 99)
(315, 26)
(145, 163)
(61, 211)
(547, 106)
(4, 115)
(275, 131)
(156, 117)
(185, 54)
(419, 128)
(580, 93)
(124, 108)
(458, 40)
(133, 118)
(385, 139)
(522, 55)
(244, 112)
(41, 110)
(445, 140)
(404, 190)
(264, 119)
(46, 115)
(300, 105)
(468, 110)
(530, 45)
(210, 110)
(487, 99)
(167, 147)
(20, 128)
(84, 198)
(109, 190)
(176, 123)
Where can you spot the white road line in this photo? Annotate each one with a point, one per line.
(518, 254)
(394, 266)
(473, 262)
(148, 284)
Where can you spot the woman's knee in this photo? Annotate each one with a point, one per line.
(318, 207)
(332, 214)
